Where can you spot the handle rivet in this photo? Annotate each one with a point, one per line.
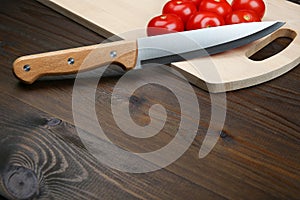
(26, 68)
(71, 61)
(113, 54)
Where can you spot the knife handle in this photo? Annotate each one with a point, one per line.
(70, 61)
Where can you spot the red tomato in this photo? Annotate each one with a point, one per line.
(242, 16)
(166, 23)
(221, 7)
(257, 6)
(196, 2)
(182, 9)
(204, 19)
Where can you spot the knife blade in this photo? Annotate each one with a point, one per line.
(162, 49)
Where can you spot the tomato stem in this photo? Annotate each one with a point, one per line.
(247, 17)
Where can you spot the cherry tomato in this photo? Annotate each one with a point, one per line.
(204, 19)
(242, 16)
(166, 23)
(221, 7)
(257, 6)
(182, 9)
(196, 2)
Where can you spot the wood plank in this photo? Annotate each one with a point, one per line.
(31, 128)
(53, 152)
(61, 167)
(228, 71)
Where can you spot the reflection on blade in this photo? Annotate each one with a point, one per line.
(173, 47)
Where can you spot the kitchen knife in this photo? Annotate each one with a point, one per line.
(162, 49)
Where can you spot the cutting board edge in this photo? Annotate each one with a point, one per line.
(78, 19)
(221, 87)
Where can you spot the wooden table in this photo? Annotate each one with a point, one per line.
(42, 156)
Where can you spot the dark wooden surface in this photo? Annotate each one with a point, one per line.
(42, 157)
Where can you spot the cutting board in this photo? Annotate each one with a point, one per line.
(227, 71)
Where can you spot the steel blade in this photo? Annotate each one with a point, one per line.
(181, 46)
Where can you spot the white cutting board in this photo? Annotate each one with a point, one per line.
(227, 71)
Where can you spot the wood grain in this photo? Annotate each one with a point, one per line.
(53, 152)
(257, 156)
(227, 71)
(29, 68)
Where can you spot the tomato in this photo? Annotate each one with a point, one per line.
(182, 9)
(221, 7)
(196, 2)
(242, 16)
(257, 6)
(204, 19)
(166, 23)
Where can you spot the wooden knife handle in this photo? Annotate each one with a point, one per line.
(70, 61)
